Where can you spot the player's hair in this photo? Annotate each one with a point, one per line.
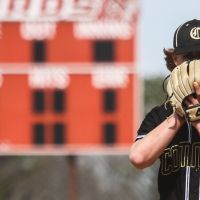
(187, 56)
(168, 59)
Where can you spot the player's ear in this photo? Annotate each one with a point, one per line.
(177, 58)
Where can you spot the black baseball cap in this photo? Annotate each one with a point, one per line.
(187, 37)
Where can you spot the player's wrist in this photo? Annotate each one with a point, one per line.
(175, 121)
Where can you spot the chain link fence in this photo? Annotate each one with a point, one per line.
(91, 177)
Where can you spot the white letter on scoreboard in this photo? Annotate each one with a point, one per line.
(4, 7)
(35, 9)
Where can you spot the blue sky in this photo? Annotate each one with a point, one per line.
(157, 22)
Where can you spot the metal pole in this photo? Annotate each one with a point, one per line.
(73, 177)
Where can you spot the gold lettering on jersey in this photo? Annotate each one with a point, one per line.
(195, 155)
(175, 158)
(184, 153)
(180, 156)
(165, 165)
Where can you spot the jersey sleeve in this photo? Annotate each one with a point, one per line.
(153, 119)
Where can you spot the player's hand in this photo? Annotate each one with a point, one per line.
(191, 101)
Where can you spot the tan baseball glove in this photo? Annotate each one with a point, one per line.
(180, 86)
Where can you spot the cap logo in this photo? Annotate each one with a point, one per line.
(195, 33)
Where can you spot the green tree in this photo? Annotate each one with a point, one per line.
(153, 92)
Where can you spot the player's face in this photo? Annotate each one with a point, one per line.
(180, 58)
(192, 56)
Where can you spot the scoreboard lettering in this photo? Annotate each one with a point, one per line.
(73, 10)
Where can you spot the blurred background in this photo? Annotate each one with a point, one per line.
(76, 79)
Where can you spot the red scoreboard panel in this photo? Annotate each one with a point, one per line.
(66, 83)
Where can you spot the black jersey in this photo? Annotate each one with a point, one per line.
(179, 172)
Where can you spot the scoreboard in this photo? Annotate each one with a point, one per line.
(67, 74)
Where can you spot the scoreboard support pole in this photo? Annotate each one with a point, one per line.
(73, 177)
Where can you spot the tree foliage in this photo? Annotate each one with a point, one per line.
(153, 92)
